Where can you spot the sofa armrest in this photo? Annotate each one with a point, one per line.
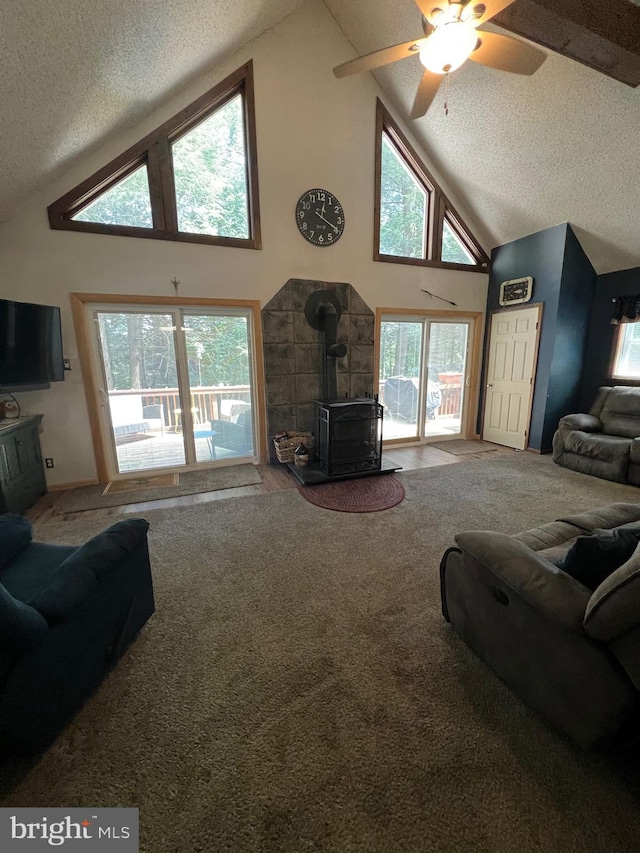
(585, 423)
(556, 595)
(87, 568)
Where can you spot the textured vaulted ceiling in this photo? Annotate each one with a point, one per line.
(74, 71)
(522, 154)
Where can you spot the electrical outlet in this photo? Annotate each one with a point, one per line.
(49, 462)
(67, 363)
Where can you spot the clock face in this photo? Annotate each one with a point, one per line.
(320, 217)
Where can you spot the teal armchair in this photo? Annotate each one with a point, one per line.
(67, 614)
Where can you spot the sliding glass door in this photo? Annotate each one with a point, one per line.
(218, 360)
(424, 376)
(176, 386)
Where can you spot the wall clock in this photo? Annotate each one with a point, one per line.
(320, 217)
(516, 291)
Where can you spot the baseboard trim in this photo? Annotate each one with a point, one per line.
(60, 487)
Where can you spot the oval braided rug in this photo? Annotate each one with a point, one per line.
(368, 494)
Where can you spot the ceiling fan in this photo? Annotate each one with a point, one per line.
(451, 37)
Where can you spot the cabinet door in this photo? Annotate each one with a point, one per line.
(28, 449)
(9, 449)
(22, 478)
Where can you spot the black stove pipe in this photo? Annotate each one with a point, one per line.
(328, 317)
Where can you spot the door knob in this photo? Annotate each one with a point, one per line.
(489, 384)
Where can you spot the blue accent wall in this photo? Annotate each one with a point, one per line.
(570, 345)
(564, 281)
(601, 333)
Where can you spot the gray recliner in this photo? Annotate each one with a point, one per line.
(571, 653)
(606, 441)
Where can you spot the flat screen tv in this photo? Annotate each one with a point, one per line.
(30, 344)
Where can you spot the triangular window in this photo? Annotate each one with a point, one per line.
(453, 249)
(210, 168)
(194, 179)
(126, 203)
(415, 223)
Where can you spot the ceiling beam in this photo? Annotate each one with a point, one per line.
(603, 35)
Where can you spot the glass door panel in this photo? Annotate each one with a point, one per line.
(142, 402)
(400, 378)
(218, 356)
(446, 377)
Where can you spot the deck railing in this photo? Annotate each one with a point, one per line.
(206, 402)
(451, 398)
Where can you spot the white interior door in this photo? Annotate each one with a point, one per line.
(510, 376)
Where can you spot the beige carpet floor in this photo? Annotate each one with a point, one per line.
(463, 446)
(298, 689)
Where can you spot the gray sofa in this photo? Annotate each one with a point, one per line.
(606, 441)
(569, 651)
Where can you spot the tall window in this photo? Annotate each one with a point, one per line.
(415, 222)
(626, 362)
(194, 179)
(404, 206)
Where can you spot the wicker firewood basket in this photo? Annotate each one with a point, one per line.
(286, 448)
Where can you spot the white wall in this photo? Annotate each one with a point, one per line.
(313, 130)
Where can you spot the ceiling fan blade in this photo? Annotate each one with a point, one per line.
(507, 54)
(378, 58)
(480, 13)
(427, 90)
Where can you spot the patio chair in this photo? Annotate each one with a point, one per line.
(153, 417)
(237, 437)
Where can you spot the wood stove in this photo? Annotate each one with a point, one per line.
(349, 439)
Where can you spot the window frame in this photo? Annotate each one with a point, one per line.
(154, 151)
(618, 341)
(439, 206)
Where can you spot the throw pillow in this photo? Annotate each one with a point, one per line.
(593, 558)
(15, 535)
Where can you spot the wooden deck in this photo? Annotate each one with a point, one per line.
(443, 425)
(151, 450)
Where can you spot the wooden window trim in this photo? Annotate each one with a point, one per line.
(440, 208)
(474, 359)
(154, 151)
(79, 301)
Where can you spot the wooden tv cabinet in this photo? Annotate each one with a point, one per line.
(22, 478)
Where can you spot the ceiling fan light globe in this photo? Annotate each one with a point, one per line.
(448, 47)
